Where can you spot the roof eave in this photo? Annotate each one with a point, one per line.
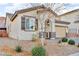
(62, 22)
(30, 9)
(69, 12)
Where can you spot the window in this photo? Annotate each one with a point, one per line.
(28, 23)
(72, 30)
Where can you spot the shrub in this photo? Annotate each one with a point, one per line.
(38, 51)
(71, 42)
(34, 37)
(78, 45)
(64, 39)
(18, 49)
(59, 41)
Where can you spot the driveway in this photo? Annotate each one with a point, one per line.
(55, 49)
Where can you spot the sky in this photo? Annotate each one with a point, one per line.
(69, 7)
(12, 7)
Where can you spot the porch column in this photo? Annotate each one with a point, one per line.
(41, 34)
(53, 33)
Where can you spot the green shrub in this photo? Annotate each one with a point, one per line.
(71, 42)
(38, 51)
(18, 49)
(64, 39)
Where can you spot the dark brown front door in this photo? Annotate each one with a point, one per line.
(48, 35)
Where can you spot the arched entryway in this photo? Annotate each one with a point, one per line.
(48, 28)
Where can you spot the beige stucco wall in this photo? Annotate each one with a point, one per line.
(12, 28)
(16, 31)
(70, 17)
(26, 35)
(8, 24)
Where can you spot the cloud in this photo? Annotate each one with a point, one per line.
(69, 7)
(12, 7)
(15, 7)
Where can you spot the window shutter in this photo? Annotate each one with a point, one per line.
(36, 27)
(23, 23)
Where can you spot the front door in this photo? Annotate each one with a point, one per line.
(48, 29)
(48, 35)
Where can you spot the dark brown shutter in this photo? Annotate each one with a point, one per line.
(36, 27)
(23, 23)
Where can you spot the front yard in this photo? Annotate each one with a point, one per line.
(61, 49)
(7, 47)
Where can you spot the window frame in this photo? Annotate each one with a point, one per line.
(36, 23)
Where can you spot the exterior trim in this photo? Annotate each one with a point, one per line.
(76, 21)
(29, 16)
(61, 26)
(30, 9)
(35, 22)
(62, 22)
(2, 28)
(69, 12)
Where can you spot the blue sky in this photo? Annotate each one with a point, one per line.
(12, 7)
(71, 6)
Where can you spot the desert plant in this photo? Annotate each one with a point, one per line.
(34, 37)
(38, 51)
(64, 39)
(18, 49)
(71, 42)
(59, 41)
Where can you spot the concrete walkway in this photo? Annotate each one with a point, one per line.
(75, 54)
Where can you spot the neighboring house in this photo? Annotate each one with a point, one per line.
(2, 27)
(39, 20)
(74, 30)
(70, 16)
(73, 18)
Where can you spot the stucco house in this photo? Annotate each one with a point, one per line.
(39, 20)
(73, 18)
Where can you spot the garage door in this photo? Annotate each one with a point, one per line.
(60, 31)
